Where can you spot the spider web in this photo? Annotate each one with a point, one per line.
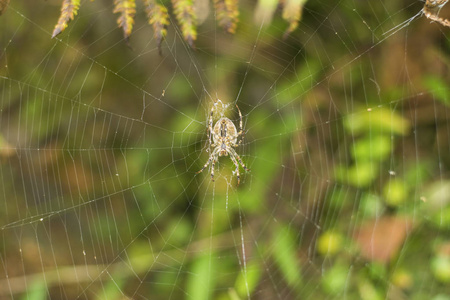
(346, 135)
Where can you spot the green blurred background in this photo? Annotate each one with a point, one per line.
(347, 138)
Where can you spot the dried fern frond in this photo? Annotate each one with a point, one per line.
(184, 13)
(69, 10)
(158, 17)
(127, 11)
(3, 5)
(227, 14)
(292, 13)
(264, 11)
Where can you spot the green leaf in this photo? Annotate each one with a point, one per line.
(360, 174)
(285, 254)
(440, 266)
(329, 243)
(200, 282)
(37, 290)
(395, 192)
(372, 148)
(334, 279)
(249, 280)
(439, 88)
(377, 120)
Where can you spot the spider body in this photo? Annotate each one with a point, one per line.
(432, 8)
(224, 138)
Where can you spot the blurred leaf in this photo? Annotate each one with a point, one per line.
(306, 78)
(111, 290)
(368, 291)
(264, 11)
(360, 174)
(440, 266)
(250, 279)
(201, 280)
(285, 255)
(37, 290)
(3, 6)
(158, 17)
(127, 10)
(329, 243)
(377, 120)
(292, 13)
(69, 10)
(372, 148)
(402, 279)
(395, 192)
(184, 13)
(334, 279)
(436, 196)
(227, 14)
(381, 239)
(439, 88)
(371, 205)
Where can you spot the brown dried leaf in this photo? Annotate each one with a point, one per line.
(184, 13)
(3, 5)
(69, 10)
(158, 17)
(292, 12)
(381, 239)
(227, 14)
(127, 11)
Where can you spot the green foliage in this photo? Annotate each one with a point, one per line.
(36, 291)
(285, 255)
(377, 120)
(440, 266)
(439, 88)
(247, 282)
(334, 279)
(201, 280)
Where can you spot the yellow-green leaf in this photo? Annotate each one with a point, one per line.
(184, 13)
(227, 14)
(292, 13)
(127, 11)
(69, 10)
(158, 17)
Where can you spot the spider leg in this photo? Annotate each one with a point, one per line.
(212, 169)
(241, 132)
(237, 168)
(212, 158)
(240, 161)
(204, 167)
(210, 126)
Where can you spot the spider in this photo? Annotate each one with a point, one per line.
(223, 137)
(430, 8)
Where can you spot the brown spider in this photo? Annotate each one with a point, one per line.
(431, 10)
(224, 137)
